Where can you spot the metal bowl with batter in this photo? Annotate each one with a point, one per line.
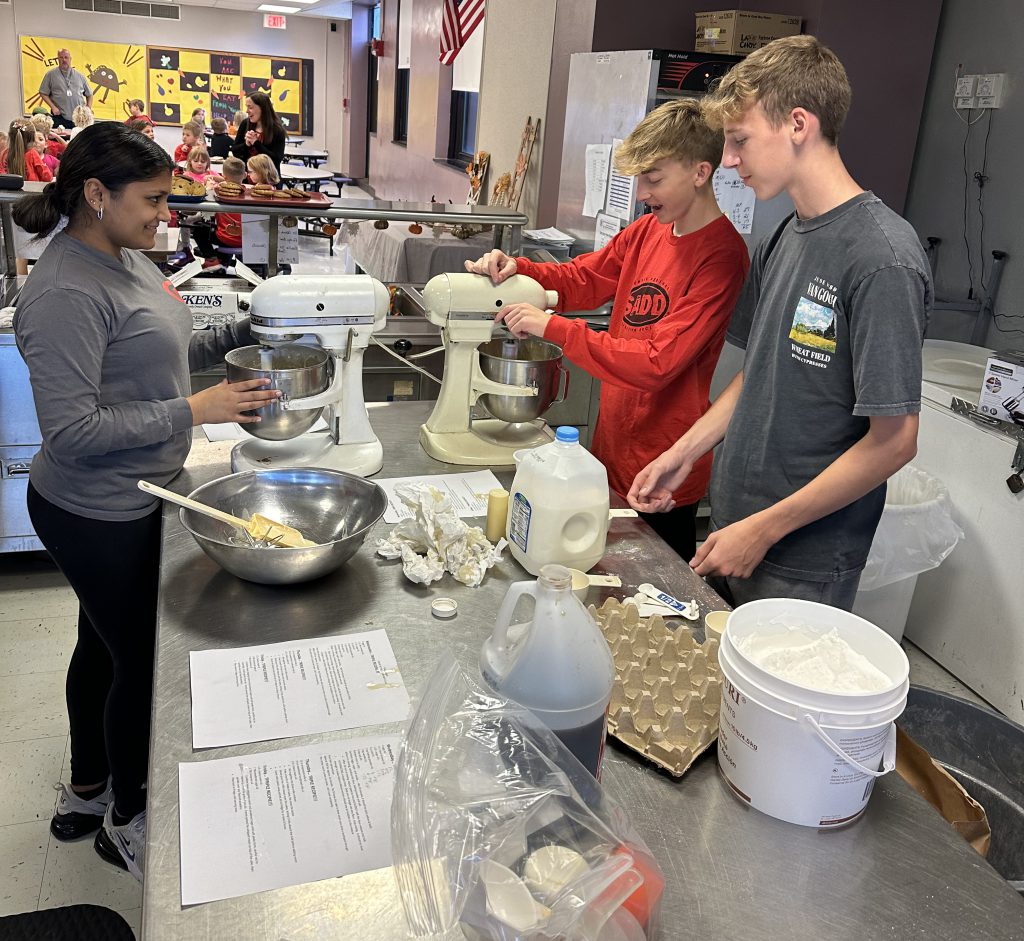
(334, 509)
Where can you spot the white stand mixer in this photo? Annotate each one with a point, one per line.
(464, 305)
(338, 313)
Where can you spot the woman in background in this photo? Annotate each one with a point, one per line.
(261, 132)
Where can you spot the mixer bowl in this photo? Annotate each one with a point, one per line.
(296, 370)
(332, 508)
(530, 362)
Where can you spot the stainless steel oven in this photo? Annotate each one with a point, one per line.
(19, 440)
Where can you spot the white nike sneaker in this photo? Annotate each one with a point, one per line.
(123, 846)
(74, 817)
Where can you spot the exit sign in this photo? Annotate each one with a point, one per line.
(275, 21)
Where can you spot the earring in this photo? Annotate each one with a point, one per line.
(99, 213)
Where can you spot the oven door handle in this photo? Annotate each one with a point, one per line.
(17, 468)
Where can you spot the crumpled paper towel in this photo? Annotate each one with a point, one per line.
(436, 540)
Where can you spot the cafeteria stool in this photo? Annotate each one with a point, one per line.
(340, 180)
(68, 923)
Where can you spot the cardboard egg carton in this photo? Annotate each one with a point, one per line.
(667, 690)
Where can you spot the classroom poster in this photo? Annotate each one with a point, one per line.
(117, 72)
(181, 80)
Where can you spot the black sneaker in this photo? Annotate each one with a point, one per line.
(123, 846)
(74, 818)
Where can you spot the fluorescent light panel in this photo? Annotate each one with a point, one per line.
(272, 8)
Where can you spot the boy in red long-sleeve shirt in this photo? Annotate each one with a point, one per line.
(674, 275)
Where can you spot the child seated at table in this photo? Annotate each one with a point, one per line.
(197, 166)
(55, 146)
(227, 229)
(236, 123)
(137, 111)
(262, 170)
(82, 117)
(22, 157)
(191, 134)
(141, 126)
(220, 143)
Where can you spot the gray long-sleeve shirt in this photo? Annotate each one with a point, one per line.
(109, 347)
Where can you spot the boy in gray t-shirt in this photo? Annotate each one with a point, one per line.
(832, 317)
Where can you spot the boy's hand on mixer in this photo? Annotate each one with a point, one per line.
(523, 320)
(496, 265)
(229, 401)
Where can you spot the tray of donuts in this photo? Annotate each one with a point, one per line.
(265, 195)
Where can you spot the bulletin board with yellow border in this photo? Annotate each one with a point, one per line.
(116, 72)
(181, 80)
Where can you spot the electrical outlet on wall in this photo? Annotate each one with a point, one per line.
(965, 87)
(989, 90)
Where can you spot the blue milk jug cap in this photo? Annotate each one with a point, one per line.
(568, 434)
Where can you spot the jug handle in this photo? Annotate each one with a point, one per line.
(515, 591)
(563, 383)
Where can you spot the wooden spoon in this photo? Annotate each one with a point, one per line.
(258, 526)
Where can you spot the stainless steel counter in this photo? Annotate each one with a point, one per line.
(731, 872)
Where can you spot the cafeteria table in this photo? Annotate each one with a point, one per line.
(310, 157)
(308, 178)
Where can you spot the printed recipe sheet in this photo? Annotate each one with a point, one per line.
(265, 821)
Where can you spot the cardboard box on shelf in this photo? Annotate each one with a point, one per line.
(739, 32)
(1002, 392)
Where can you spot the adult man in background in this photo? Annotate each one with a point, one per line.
(64, 88)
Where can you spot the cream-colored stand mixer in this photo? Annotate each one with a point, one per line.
(464, 305)
(337, 313)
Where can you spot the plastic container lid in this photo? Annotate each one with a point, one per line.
(444, 608)
(568, 434)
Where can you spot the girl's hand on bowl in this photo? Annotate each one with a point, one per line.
(230, 401)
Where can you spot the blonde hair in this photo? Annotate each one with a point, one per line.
(196, 153)
(792, 72)
(675, 130)
(264, 166)
(233, 169)
(42, 122)
(82, 116)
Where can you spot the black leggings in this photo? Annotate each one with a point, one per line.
(678, 527)
(114, 569)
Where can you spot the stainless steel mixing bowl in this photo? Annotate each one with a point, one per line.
(332, 508)
(296, 370)
(528, 362)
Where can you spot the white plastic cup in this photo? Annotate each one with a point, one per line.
(798, 754)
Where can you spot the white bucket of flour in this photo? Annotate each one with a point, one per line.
(809, 698)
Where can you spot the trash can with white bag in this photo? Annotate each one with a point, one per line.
(915, 534)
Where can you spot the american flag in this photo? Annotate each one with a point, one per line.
(458, 20)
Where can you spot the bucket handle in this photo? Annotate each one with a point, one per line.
(888, 752)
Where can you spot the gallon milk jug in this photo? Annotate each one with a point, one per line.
(558, 506)
(558, 665)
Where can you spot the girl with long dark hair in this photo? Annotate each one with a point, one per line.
(109, 347)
